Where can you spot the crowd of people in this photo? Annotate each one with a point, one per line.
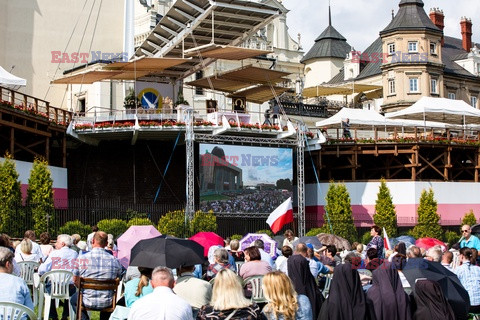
(248, 201)
(361, 283)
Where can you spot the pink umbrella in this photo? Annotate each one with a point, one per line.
(130, 238)
(208, 239)
(427, 243)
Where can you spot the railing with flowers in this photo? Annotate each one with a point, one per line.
(33, 107)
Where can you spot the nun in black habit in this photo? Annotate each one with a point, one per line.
(347, 299)
(304, 282)
(386, 298)
(430, 302)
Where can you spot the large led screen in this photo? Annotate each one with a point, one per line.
(243, 179)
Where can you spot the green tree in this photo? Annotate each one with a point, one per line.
(12, 217)
(469, 218)
(173, 223)
(428, 218)
(139, 222)
(203, 221)
(385, 215)
(339, 212)
(40, 197)
(76, 226)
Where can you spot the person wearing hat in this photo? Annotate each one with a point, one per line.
(316, 266)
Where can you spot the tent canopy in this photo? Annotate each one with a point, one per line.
(367, 118)
(10, 81)
(441, 110)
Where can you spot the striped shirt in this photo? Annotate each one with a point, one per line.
(470, 278)
(101, 265)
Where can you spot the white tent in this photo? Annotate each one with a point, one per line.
(10, 81)
(357, 118)
(441, 110)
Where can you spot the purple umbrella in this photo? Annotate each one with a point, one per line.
(270, 246)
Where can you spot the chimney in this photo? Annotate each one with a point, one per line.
(437, 17)
(466, 26)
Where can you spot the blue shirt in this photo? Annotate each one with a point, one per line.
(470, 278)
(473, 242)
(17, 292)
(98, 264)
(130, 289)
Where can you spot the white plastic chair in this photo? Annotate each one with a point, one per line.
(255, 283)
(27, 269)
(328, 283)
(15, 311)
(238, 265)
(59, 289)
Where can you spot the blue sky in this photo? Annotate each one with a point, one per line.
(360, 21)
(278, 162)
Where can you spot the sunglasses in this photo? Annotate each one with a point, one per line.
(465, 230)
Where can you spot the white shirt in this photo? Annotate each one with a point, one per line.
(61, 259)
(35, 250)
(281, 264)
(161, 304)
(266, 257)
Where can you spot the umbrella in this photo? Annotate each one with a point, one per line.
(270, 246)
(408, 240)
(312, 240)
(427, 243)
(279, 240)
(170, 252)
(338, 242)
(130, 237)
(453, 290)
(208, 239)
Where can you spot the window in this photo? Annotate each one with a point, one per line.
(433, 86)
(391, 87)
(198, 76)
(473, 101)
(391, 48)
(433, 48)
(412, 46)
(452, 95)
(413, 85)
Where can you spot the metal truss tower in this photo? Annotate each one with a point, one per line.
(190, 174)
(301, 178)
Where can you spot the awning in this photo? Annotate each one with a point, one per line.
(225, 52)
(10, 81)
(341, 89)
(88, 77)
(147, 64)
(259, 94)
(219, 84)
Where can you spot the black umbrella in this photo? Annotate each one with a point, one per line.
(453, 290)
(309, 239)
(170, 252)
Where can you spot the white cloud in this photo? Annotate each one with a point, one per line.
(360, 21)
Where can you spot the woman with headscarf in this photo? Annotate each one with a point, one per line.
(346, 300)
(303, 281)
(386, 298)
(430, 302)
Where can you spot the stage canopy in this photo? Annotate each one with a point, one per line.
(10, 81)
(342, 89)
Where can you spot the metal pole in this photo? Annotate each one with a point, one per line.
(301, 178)
(189, 139)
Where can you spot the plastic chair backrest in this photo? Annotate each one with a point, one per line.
(15, 311)
(255, 283)
(328, 283)
(238, 265)
(59, 283)
(27, 269)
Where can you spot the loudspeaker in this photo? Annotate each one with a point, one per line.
(239, 104)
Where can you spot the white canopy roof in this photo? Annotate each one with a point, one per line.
(370, 118)
(10, 81)
(439, 109)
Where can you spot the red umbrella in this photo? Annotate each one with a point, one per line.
(208, 239)
(427, 243)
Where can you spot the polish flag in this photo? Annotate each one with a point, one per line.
(386, 241)
(281, 216)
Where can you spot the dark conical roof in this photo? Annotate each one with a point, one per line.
(329, 44)
(410, 16)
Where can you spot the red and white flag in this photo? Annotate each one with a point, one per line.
(386, 241)
(281, 216)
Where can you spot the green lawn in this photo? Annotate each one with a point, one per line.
(213, 197)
